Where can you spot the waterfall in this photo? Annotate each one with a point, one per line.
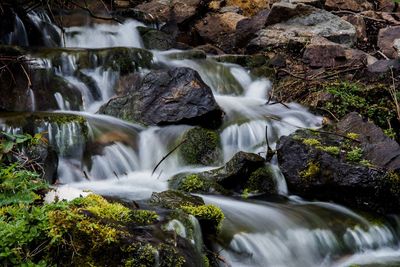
(117, 158)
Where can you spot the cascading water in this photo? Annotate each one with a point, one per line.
(117, 158)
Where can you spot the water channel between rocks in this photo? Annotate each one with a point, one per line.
(284, 232)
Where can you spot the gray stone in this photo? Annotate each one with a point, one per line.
(305, 23)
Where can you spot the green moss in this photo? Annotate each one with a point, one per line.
(206, 212)
(393, 179)
(144, 217)
(333, 150)
(311, 171)
(311, 142)
(261, 180)
(100, 207)
(353, 136)
(355, 155)
(192, 183)
(370, 101)
(202, 146)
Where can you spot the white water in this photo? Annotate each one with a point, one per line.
(118, 159)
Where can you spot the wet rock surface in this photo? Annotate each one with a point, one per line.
(168, 97)
(336, 167)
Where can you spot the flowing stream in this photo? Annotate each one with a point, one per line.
(116, 158)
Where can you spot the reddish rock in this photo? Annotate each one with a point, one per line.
(386, 5)
(246, 29)
(323, 53)
(177, 10)
(359, 23)
(219, 29)
(353, 5)
(386, 40)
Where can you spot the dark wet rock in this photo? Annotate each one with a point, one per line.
(201, 147)
(386, 41)
(46, 156)
(155, 39)
(45, 84)
(246, 29)
(132, 13)
(219, 29)
(245, 172)
(383, 66)
(14, 83)
(330, 167)
(378, 148)
(299, 24)
(236, 172)
(168, 97)
(172, 199)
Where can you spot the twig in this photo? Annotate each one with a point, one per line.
(294, 75)
(166, 156)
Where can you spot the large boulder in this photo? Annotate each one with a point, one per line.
(299, 23)
(378, 148)
(328, 166)
(173, 96)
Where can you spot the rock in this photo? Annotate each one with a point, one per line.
(219, 29)
(132, 13)
(328, 167)
(383, 66)
(247, 61)
(175, 199)
(210, 49)
(249, 7)
(174, 96)
(299, 24)
(323, 53)
(358, 22)
(378, 148)
(245, 172)
(247, 28)
(284, 11)
(386, 40)
(202, 147)
(155, 39)
(353, 5)
(386, 5)
(180, 11)
(236, 172)
(47, 157)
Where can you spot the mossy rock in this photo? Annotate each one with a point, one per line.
(195, 183)
(262, 181)
(202, 147)
(173, 199)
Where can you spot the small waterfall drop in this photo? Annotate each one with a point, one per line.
(117, 158)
